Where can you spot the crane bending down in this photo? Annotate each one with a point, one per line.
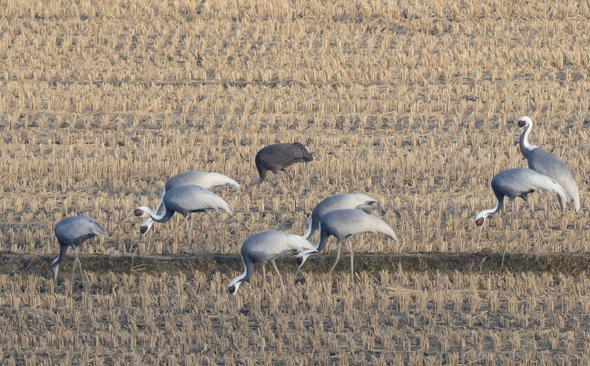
(265, 247)
(196, 177)
(342, 224)
(185, 200)
(542, 161)
(338, 201)
(519, 182)
(71, 232)
(277, 157)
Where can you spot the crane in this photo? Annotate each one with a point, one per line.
(519, 182)
(542, 161)
(185, 200)
(71, 232)
(342, 224)
(265, 247)
(338, 201)
(206, 180)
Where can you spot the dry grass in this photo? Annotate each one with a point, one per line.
(414, 102)
(400, 317)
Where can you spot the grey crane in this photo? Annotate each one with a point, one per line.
(265, 247)
(542, 161)
(338, 201)
(342, 224)
(185, 200)
(71, 232)
(519, 182)
(277, 157)
(206, 180)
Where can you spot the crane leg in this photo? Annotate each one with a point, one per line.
(351, 261)
(278, 273)
(187, 224)
(78, 264)
(171, 233)
(512, 217)
(535, 217)
(263, 276)
(337, 258)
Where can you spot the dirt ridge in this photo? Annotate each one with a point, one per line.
(480, 262)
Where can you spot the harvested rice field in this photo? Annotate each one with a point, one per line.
(413, 102)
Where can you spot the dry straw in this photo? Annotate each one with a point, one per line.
(414, 102)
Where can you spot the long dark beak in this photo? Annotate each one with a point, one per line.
(128, 218)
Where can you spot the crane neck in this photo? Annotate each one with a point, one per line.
(525, 147)
(245, 276)
(323, 239)
(491, 211)
(163, 217)
(62, 253)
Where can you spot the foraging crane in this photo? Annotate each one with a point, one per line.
(265, 247)
(197, 177)
(71, 232)
(278, 157)
(519, 182)
(342, 224)
(338, 201)
(542, 161)
(185, 200)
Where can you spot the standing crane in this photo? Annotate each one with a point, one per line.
(185, 200)
(342, 224)
(277, 157)
(265, 247)
(197, 177)
(519, 182)
(542, 161)
(338, 201)
(71, 232)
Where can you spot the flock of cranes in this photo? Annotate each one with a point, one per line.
(340, 215)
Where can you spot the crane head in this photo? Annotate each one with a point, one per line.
(524, 122)
(479, 220)
(233, 287)
(138, 212)
(302, 256)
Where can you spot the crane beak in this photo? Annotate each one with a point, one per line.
(128, 218)
(479, 235)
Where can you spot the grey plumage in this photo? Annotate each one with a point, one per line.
(542, 161)
(342, 224)
(71, 232)
(185, 200)
(278, 157)
(338, 201)
(519, 182)
(265, 247)
(206, 180)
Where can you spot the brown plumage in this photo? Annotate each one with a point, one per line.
(279, 156)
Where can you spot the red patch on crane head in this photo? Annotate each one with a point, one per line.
(480, 221)
(521, 123)
(138, 212)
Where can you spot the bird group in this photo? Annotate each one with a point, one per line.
(340, 215)
(546, 171)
